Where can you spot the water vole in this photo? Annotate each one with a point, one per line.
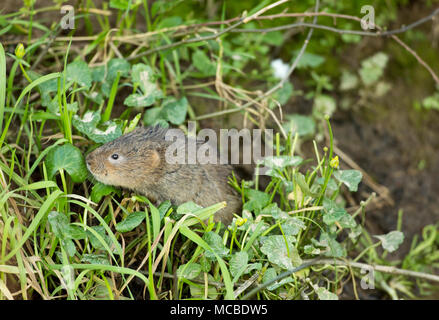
(137, 161)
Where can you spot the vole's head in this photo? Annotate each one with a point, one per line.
(129, 161)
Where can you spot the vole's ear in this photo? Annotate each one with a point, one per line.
(154, 159)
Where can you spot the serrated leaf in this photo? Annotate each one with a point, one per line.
(133, 220)
(68, 158)
(392, 240)
(351, 178)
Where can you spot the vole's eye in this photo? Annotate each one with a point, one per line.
(115, 156)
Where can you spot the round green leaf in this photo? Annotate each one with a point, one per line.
(69, 158)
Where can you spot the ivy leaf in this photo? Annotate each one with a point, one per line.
(133, 220)
(238, 264)
(216, 244)
(392, 240)
(189, 271)
(351, 178)
(68, 158)
(79, 72)
(274, 247)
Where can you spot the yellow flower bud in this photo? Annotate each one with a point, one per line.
(19, 51)
(240, 221)
(334, 163)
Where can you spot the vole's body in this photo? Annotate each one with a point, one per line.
(141, 166)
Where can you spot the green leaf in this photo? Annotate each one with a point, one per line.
(188, 207)
(333, 213)
(351, 178)
(133, 220)
(271, 274)
(304, 126)
(68, 158)
(175, 110)
(293, 226)
(281, 162)
(308, 60)
(189, 271)
(274, 247)
(238, 264)
(79, 72)
(203, 63)
(95, 258)
(323, 105)
(59, 223)
(124, 4)
(257, 200)
(373, 68)
(139, 100)
(95, 242)
(392, 240)
(100, 190)
(215, 242)
(88, 126)
(334, 248)
(324, 294)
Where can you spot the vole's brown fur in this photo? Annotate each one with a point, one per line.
(141, 166)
